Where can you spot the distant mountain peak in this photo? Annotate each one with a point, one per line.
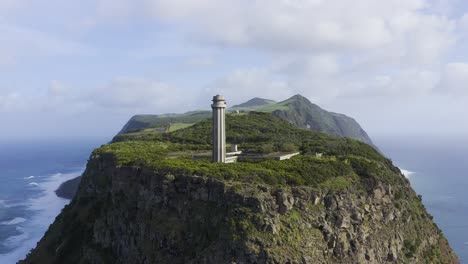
(297, 98)
(255, 102)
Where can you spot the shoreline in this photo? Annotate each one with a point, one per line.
(42, 211)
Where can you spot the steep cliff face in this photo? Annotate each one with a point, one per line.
(69, 188)
(127, 214)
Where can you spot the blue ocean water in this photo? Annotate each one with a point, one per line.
(30, 172)
(438, 169)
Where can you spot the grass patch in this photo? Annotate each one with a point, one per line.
(177, 126)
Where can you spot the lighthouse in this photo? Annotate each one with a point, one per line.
(219, 129)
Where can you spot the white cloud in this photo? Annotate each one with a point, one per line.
(57, 88)
(10, 102)
(392, 86)
(9, 5)
(322, 48)
(166, 43)
(454, 79)
(310, 26)
(139, 94)
(22, 42)
(200, 61)
(241, 85)
(463, 23)
(313, 65)
(40, 100)
(318, 44)
(430, 38)
(333, 51)
(114, 9)
(121, 95)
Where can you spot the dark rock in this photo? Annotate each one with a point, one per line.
(128, 215)
(285, 202)
(68, 189)
(330, 203)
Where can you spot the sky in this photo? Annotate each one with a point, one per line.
(76, 69)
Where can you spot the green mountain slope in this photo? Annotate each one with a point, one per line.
(140, 122)
(253, 104)
(297, 110)
(144, 200)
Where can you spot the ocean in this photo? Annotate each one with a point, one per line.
(437, 168)
(31, 171)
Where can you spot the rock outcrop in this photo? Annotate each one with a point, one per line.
(125, 214)
(69, 188)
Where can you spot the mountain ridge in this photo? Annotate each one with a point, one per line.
(253, 104)
(298, 110)
(304, 114)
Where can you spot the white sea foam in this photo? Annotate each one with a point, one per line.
(14, 221)
(8, 204)
(407, 173)
(14, 241)
(5, 204)
(46, 207)
(30, 177)
(35, 184)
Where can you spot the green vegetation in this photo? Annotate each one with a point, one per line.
(132, 152)
(251, 209)
(253, 104)
(411, 247)
(345, 161)
(140, 122)
(177, 126)
(272, 108)
(297, 110)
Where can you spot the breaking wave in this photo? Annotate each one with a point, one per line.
(14, 221)
(44, 209)
(14, 241)
(9, 204)
(407, 173)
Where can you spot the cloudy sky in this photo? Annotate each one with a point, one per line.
(82, 68)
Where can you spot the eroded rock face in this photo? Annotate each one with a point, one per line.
(68, 189)
(132, 215)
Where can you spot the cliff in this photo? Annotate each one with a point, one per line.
(144, 202)
(69, 188)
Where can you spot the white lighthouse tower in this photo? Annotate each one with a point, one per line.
(219, 129)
